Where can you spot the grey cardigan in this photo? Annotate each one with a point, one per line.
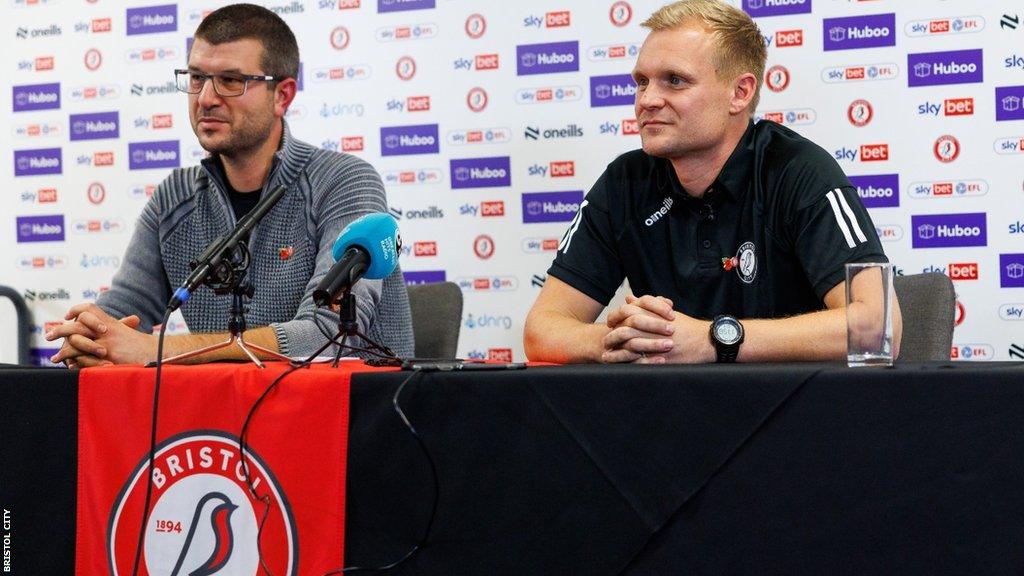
(291, 251)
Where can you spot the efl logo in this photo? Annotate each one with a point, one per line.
(39, 162)
(795, 117)
(146, 155)
(878, 191)
(351, 143)
(856, 32)
(145, 55)
(37, 130)
(789, 38)
(152, 19)
(412, 177)
(613, 52)
(465, 137)
(616, 90)
(424, 276)
(50, 262)
(548, 58)
(776, 78)
(103, 92)
(348, 73)
(940, 68)
(860, 113)
(406, 140)
(946, 148)
(40, 228)
(488, 283)
(949, 230)
(481, 172)
(762, 8)
(548, 95)
(403, 5)
(963, 271)
(406, 32)
(425, 249)
(35, 97)
(95, 126)
(551, 206)
(105, 226)
(1011, 270)
(971, 352)
(948, 189)
(945, 26)
(859, 73)
(1009, 100)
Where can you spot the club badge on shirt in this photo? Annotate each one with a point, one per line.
(744, 262)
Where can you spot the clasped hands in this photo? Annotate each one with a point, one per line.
(646, 330)
(94, 338)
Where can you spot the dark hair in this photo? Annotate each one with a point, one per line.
(248, 21)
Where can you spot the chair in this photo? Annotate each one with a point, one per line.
(24, 322)
(928, 303)
(436, 318)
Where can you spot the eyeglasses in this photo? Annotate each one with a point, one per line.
(192, 82)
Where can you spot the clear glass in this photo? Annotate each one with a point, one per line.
(869, 310)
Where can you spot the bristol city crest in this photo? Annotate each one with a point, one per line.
(205, 517)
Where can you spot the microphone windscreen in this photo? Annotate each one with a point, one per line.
(377, 234)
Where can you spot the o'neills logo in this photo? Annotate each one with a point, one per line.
(203, 517)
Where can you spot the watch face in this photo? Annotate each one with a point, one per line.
(727, 332)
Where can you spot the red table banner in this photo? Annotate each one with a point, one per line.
(208, 514)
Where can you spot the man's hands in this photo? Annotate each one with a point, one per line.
(647, 330)
(94, 338)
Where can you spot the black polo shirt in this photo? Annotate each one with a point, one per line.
(768, 240)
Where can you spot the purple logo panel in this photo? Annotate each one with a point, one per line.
(37, 162)
(94, 126)
(152, 19)
(938, 68)
(551, 206)
(547, 58)
(424, 276)
(481, 172)
(1011, 270)
(878, 191)
(144, 155)
(1009, 103)
(402, 5)
(405, 140)
(949, 230)
(40, 228)
(616, 90)
(859, 32)
(759, 8)
(35, 97)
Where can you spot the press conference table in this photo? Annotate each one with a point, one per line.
(765, 469)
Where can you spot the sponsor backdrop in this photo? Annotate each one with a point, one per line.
(488, 121)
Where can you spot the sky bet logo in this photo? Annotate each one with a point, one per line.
(760, 8)
(866, 153)
(95, 126)
(406, 140)
(547, 58)
(152, 19)
(144, 155)
(615, 90)
(939, 68)
(481, 172)
(40, 228)
(949, 107)
(551, 206)
(859, 32)
(878, 191)
(35, 97)
(949, 230)
(403, 5)
(1009, 103)
(37, 162)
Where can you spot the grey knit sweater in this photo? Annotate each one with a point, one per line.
(291, 250)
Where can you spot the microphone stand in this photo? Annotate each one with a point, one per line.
(229, 278)
(348, 326)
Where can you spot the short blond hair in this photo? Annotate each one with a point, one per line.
(741, 46)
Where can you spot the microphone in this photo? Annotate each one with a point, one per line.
(221, 247)
(366, 248)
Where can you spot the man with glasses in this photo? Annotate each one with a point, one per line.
(240, 81)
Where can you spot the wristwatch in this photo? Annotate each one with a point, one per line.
(726, 335)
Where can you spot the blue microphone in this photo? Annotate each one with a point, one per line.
(366, 248)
